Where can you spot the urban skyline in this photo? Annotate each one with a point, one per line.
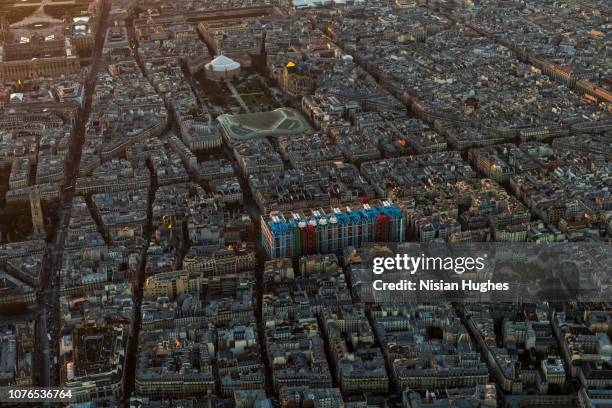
(189, 192)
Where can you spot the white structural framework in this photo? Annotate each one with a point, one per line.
(222, 67)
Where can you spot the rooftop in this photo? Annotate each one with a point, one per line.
(282, 121)
(221, 64)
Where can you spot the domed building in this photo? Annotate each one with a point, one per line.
(222, 67)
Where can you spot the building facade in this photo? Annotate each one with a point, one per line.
(318, 231)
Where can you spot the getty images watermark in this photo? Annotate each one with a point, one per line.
(481, 272)
(404, 263)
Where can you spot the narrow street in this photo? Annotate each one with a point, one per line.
(49, 320)
(131, 360)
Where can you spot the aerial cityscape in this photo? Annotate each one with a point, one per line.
(189, 191)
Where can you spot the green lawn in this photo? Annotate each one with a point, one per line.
(16, 14)
(257, 100)
(250, 86)
(59, 10)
